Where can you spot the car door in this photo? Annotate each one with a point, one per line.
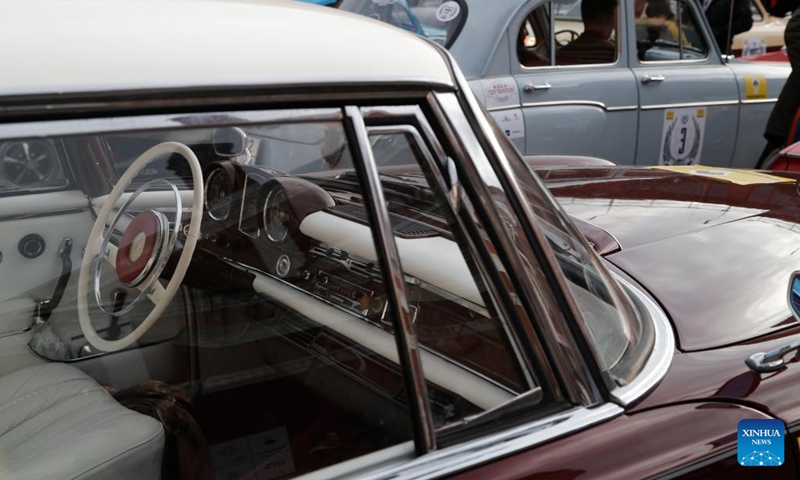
(42, 211)
(577, 93)
(689, 98)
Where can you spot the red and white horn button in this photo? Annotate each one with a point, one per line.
(140, 247)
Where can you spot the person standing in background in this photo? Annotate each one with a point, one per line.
(726, 24)
(779, 8)
(784, 114)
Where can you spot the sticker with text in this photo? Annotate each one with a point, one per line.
(760, 443)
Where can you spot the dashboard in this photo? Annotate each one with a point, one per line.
(305, 243)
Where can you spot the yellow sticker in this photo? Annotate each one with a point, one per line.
(739, 177)
(670, 115)
(701, 113)
(755, 87)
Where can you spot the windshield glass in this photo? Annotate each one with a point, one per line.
(621, 340)
(437, 20)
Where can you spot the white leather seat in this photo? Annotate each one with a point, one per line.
(58, 423)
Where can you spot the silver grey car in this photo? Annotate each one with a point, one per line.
(644, 84)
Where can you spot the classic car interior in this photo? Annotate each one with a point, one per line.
(271, 312)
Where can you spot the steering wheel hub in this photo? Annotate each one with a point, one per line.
(141, 246)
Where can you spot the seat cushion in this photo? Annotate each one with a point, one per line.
(58, 423)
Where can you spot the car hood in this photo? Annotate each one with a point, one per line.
(715, 253)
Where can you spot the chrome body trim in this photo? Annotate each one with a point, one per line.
(580, 103)
(503, 108)
(661, 356)
(498, 445)
(759, 100)
(407, 346)
(720, 103)
(149, 122)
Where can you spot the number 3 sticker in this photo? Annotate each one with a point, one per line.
(682, 137)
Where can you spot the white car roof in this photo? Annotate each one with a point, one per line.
(57, 46)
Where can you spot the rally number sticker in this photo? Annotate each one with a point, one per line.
(682, 137)
(754, 46)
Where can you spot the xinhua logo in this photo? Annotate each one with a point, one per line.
(761, 443)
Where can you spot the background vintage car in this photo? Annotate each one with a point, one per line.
(765, 36)
(625, 111)
(266, 272)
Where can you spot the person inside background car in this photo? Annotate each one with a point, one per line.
(660, 17)
(594, 45)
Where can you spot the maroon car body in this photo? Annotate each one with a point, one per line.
(692, 241)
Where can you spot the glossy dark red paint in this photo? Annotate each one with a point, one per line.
(675, 440)
(694, 242)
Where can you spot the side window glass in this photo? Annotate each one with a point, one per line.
(30, 165)
(587, 34)
(667, 30)
(468, 360)
(533, 42)
(584, 33)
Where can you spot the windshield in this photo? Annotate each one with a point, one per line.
(621, 340)
(437, 20)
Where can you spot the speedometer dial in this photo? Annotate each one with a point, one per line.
(218, 195)
(276, 215)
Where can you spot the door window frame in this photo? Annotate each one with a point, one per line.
(703, 29)
(521, 17)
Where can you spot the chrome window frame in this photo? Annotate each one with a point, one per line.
(412, 120)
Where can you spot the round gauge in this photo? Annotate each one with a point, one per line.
(218, 195)
(276, 215)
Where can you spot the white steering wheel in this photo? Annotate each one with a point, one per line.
(144, 249)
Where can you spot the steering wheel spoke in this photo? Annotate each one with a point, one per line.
(155, 293)
(111, 254)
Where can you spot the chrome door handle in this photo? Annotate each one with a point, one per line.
(653, 79)
(529, 88)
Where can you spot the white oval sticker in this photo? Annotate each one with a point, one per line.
(448, 11)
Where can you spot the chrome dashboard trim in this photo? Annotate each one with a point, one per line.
(720, 103)
(656, 367)
(482, 450)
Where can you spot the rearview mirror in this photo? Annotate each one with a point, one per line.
(229, 141)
